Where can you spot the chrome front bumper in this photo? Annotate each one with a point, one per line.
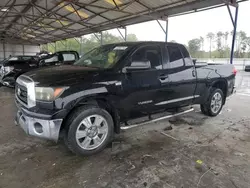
(48, 129)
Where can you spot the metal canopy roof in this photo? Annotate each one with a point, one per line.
(43, 21)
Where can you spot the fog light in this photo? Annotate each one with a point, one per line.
(38, 127)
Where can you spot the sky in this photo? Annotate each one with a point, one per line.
(186, 27)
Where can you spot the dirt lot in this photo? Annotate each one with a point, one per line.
(141, 157)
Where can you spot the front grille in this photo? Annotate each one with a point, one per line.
(21, 93)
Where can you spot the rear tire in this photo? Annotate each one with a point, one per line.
(214, 104)
(89, 129)
(203, 109)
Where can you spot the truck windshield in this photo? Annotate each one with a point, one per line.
(103, 57)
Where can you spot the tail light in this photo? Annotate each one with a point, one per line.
(234, 71)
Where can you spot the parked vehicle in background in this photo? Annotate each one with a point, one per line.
(110, 86)
(247, 68)
(60, 58)
(17, 65)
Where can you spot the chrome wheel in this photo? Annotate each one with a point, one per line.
(216, 103)
(91, 132)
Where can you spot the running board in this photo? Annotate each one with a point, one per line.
(155, 120)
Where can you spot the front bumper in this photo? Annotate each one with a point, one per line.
(48, 129)
(7, 81)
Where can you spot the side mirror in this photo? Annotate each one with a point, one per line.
(138, 65)
(194, 61)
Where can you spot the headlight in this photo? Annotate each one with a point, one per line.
(7, 69)
(48, 93)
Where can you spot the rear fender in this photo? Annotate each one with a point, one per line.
(218, 83)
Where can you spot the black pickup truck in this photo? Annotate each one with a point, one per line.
(86, 103)
(15, 66)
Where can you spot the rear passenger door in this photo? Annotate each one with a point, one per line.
(181, 75)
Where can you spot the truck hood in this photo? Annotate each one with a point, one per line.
(61, 75)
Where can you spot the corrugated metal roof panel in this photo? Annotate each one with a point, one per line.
(135, 7)
(113, 14)
(92, 15)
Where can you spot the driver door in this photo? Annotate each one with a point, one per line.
(141, 87)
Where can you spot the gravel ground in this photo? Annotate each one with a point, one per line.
(141, 157)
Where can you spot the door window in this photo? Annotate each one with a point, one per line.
(69, 57)
(52, 59)
(175, 57)
(149, 53)
(188, 60)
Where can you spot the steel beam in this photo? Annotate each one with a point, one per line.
(166, 33)
(101, 39)
(123, 36)
(231, 15)
(234, 34)
(125, 33)
(164, 30)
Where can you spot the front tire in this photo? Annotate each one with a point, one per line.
(89, 130)
(214, 104)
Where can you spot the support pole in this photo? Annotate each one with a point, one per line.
(231, 16)
(234, 34)
(166, 31)
(123, 36)
(81, 46)
(55, 47)
(23, 49)
(125, 33)
(4, 52)
(101, 39)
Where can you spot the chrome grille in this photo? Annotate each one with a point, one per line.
(25, 91)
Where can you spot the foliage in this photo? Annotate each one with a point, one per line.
(194, 46)
(85, 44)
(220, 40)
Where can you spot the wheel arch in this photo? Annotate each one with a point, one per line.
(100, 101)
(221, 84)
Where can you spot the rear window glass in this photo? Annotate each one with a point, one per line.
(175, 57)
(52, 59)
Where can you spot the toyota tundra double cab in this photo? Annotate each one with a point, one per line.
(87, 102)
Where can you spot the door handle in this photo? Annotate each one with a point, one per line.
(163, 77)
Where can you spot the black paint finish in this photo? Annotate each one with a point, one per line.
(22, 66)
(174, 84)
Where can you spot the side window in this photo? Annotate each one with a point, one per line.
(69, 57)
(150, 53)
(188, 60)
(175, 57)
(52, 59)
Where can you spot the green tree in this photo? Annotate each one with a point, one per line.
(194, 46)
(210, 37)
(248, 46)
(132, 37)
(219, 36)
(85, 44)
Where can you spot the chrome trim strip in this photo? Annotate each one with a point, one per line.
(155, 120)
(30, 85)
(177, 100)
